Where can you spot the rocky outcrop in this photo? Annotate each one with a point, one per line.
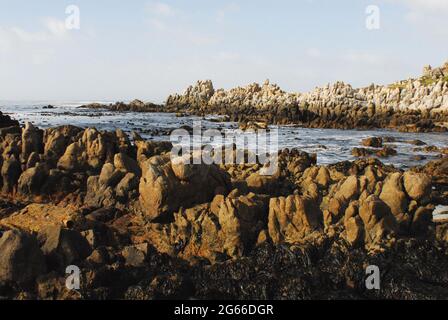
(143, 224)
(228, 227)
(117, 182)
(57, 139)
(134, 106)
(91, 151)
(166, 185)
(413, 105)
(292, 219)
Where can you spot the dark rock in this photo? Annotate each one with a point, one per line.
(64, 247)
(21, 259)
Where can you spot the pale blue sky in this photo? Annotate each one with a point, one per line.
(148, 49)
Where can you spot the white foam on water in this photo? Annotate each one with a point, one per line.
(338, 143)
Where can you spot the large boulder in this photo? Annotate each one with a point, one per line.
(64, 247)
(32, 180)
(73, 158)
(393, 195)
(57, 139)
(346, 190)
(291, 219)
(377, 219)
(417, 185)
(97, 147)
(167, 185)
(241, 220)
(21, 259)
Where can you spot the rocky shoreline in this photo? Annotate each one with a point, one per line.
(142, 226)
(414, 105)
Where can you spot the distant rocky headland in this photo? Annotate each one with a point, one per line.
(413, 105)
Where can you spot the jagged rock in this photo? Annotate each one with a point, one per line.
(323, 177)
(417, 186)
(99, 256)
(254, 126)
(362, 152)
(110, 176)
(414, 105)
(99, 147)
(354, 229)
(64, 247)
(148, 149)
(112, 185)
(263, 184)
(377, 218)
(33, 159)
(21, 259)
(229, 227)
(241, 222)
(52, 286)
(32, 180)
(58, 183)
(73, 158)
(57, 139)
(127, 164)
(166, 186)
(11, 171)
(291, 219)
(90, 152)
(32, 140)
(395, 198)
(197, 95)
(382, 153)
(127, 188)
(347, 190)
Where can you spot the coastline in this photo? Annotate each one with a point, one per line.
(413, 105)
(120, 208)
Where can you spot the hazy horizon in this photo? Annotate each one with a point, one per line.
(148, 49)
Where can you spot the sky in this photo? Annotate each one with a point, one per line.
(149, 49)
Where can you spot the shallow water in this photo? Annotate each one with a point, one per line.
(331, 145)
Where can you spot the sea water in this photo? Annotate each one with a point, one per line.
(330, 145)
